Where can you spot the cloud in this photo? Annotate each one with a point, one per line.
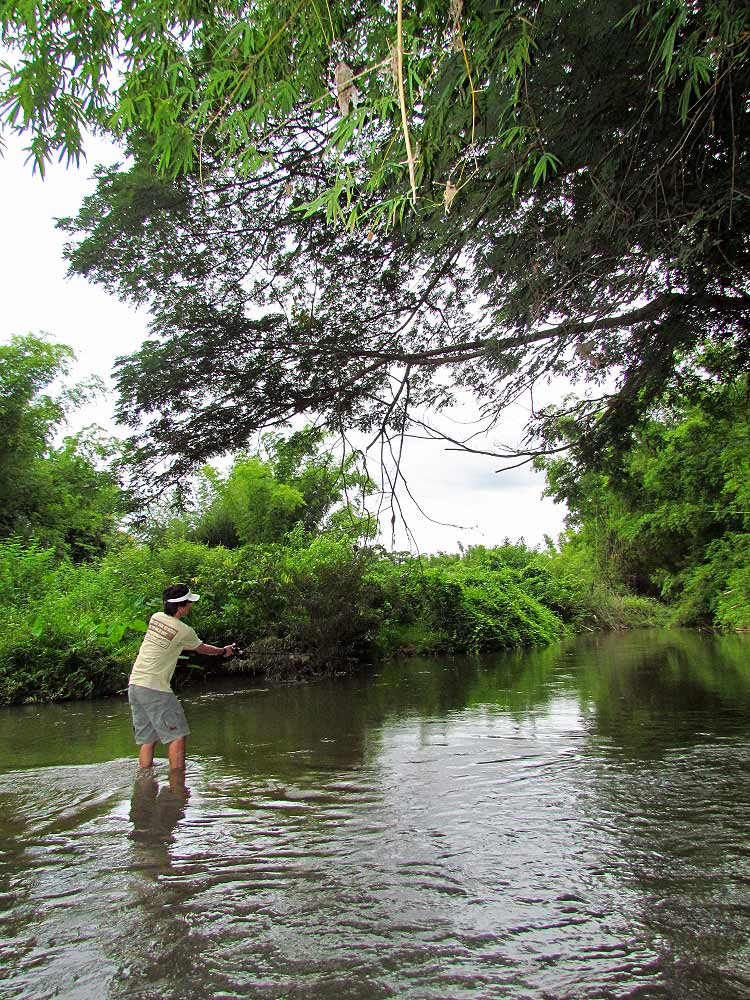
(37, 295)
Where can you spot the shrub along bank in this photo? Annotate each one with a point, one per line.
(301, 607)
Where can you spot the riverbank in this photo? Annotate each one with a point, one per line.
(71, 632)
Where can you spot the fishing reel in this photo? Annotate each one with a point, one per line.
(236, 651)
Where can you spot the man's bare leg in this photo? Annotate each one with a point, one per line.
(176, 754)
(146, 755)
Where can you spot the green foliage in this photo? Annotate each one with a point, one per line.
(577, 173)
(70, 631)
(483, 601)
(716, 590)
(27, 366)
(64, 496)
(272, 547)
(28, 418)
(673, 521)
(258, 507)
(78, 499)
(543, 575)
(326, 602)
(192, 76)
(24, 572)
(263, 497)
(67, 631)
(732, 609)
(480, 609)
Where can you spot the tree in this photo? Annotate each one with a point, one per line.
(548, 190)
(62, 495)
(290, 482)
(27, 365)
(673, 523)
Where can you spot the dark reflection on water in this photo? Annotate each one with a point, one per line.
(155, 810)
(570, 824)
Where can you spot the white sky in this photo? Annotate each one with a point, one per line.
(461, 490)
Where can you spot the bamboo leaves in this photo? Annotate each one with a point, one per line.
(239, 77)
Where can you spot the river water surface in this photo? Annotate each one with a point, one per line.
(568, 824)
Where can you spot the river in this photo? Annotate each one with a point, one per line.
(565, 824)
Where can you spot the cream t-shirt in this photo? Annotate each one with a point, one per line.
(165, 639)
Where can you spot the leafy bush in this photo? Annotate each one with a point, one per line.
(24, 571)
(556, 583)
(329, 602)
(716, 592)
(482, 601)
(610, 609)
(73, 630)
(476, 609)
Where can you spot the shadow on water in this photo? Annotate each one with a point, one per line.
(669, 717)
(568, 824)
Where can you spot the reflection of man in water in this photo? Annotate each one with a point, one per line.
(155, 811)
(157, 714)
(159, 954)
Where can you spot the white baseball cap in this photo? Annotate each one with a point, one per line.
(181, 598)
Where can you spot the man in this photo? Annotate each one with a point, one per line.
(157, 714)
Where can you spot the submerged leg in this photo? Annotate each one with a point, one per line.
(146, 755)
(176, 754)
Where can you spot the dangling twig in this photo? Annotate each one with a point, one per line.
(402, 99)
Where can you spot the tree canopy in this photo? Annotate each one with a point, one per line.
(361, 210)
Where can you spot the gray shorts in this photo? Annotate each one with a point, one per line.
(157, 715)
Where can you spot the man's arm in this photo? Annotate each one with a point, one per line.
(208, 650)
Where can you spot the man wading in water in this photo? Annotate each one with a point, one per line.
(157, 714)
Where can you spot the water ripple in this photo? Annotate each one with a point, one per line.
(471, 852)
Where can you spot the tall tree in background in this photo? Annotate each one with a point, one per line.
(288, 482)
(360, 211)
(61, 495)
(674, 522)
